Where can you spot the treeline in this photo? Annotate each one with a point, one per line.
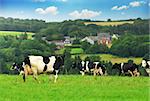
(126, 46)
(73, 28)
(11, 24)
(130, 45)
(78, 29)
(14, 49)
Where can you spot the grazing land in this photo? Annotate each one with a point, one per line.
(112, 58)
(14, 33)
(109, 23)
(75, 88)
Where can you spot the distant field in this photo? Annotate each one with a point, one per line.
(109, 23)
(73, 51)
(13, 33)
(76, 51)
(112, 58)
(75, 88)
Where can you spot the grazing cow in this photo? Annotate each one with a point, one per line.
(90, 67)
(99, 69)
(34, 65)
(146, 65)
(127, 68)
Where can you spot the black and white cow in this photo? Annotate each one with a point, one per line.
(34, 65)
(90, 67)
(127, 68)
(146, 64)
(100, 69)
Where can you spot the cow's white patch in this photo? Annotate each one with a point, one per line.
(50, 65)
(143, 63)
(21, 72)
(148, 62)
(82, 63)
(122, 67)
(87, 68)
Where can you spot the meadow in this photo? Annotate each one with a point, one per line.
(14, 33)
(75, 88)
(113, 23)
(112, 58)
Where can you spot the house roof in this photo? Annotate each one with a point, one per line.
(103, 35)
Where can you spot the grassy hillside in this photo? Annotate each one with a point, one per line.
(112, 58)
(74, 88)
(109, 23)
(13, 33)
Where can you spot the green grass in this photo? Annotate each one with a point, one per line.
(113, 23)
(76, 51)
(112, 58)
(14, 33)
(73, 51)
(75, 88)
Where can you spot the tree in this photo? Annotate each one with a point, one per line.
(68, 61)
(109, 20)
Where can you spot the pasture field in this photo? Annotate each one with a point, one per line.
(113, 23)
(76, 51)
(112, 58)
(75, 88)
(14, 33)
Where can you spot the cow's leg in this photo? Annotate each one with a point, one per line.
(35, 74)
(50, 77)
(130, 73)
(100, 71)
(56, 76)
(24, 77)
(82, 73)
(25, 74)
(94, 72)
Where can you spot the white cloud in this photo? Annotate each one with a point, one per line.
(85, 13)
(124, 7)
(39, 0)
(136, 3)
(148, 4)
(49, 10)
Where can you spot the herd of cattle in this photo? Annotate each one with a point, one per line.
(35, 65)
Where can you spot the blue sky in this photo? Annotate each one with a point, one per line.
(59, 10)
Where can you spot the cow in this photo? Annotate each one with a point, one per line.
(100, 69)
(146, 64)
(127, 68)
(35, 65)
(90, 67)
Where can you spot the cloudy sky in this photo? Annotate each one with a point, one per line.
(59, 10)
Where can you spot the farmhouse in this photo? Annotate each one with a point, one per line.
(89, 40)
(68, 40)
(104, 38)
(101, 38)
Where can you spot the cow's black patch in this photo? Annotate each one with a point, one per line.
(45, 68)
(46, 60)
(59, 62)
(27, 61)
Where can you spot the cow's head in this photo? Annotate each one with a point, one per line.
(14, 66)
(18, 67)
